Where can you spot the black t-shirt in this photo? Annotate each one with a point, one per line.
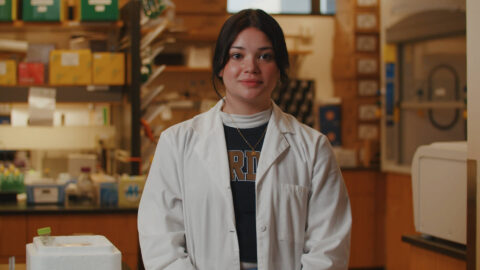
(243, 169)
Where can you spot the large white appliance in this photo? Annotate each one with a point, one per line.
(77, 252)
(439, 185)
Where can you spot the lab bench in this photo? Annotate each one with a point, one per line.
(19, 224)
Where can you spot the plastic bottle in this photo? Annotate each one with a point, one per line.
(1, 179)
(85, 184)
(18, 184)
(7, 181)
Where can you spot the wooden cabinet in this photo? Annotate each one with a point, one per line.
(422, 259)
(365, 189)
(16, 230)
(13, 237)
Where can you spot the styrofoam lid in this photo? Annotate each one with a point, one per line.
(454, 146)
(77, 244)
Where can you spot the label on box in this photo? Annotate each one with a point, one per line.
(70, 59)
(99, 8)
(41, 2)
(100, 2)
(3, 68)
(132, 193)
(45, 195)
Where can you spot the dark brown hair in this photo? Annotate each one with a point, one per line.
(237, 23)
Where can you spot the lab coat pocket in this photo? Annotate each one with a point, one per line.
(292, 212)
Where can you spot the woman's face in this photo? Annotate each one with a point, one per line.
(251, 72)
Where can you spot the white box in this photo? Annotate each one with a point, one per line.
(73, 252)
(77, 161)
(439, 187)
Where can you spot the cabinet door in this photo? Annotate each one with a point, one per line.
(365, 190)
(13, 237)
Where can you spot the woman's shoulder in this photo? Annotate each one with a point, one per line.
(300, 129)
(189, 126)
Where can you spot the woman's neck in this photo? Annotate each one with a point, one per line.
(244, 109)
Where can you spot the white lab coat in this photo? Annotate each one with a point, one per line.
(186, 218)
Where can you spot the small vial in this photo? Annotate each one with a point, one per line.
(45, 237)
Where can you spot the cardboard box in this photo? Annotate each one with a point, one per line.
(70, 67)
(108, 68)
(43, 10)
(31, 73)
(130, 189)
(98, 10)
(39, 53)
(8, 10)
(8, 72)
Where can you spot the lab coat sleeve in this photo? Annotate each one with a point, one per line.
(327, 236)
(160, 215)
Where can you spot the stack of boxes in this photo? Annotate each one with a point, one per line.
(47, 66)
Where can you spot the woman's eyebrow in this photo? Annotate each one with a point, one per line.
(260, 49)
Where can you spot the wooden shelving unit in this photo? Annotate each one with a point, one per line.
(18, 94)
(181, 69)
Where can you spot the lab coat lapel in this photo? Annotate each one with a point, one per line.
(275, 143)
(212, 146)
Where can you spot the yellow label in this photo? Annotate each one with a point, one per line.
(390, 53)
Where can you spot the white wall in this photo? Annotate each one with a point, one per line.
(316, 65)
(473, 98)
(395, 10)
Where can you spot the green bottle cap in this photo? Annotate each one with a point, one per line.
(44, 231)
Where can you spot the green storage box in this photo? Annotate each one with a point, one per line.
(43, 10)
(8, 10)
(98, 10)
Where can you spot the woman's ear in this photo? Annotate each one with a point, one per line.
(220, 74)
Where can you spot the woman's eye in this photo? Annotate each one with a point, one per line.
(266, 56)
(235, 56)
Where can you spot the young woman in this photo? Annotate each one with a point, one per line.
(244, 185)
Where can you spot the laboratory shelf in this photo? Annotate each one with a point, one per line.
(54, 138)
(66, 26)
(66, 93)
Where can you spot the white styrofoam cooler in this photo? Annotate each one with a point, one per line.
(439, 186)
(76, 252)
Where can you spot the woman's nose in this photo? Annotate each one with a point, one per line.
(250, 65)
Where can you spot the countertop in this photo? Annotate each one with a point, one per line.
(23, 208)
(445, 247)
(21, 266)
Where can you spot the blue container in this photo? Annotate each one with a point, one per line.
(108, 194)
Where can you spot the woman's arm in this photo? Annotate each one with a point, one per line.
(160, 215)
(327, 238)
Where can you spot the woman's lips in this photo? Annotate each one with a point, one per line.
(251, 83)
